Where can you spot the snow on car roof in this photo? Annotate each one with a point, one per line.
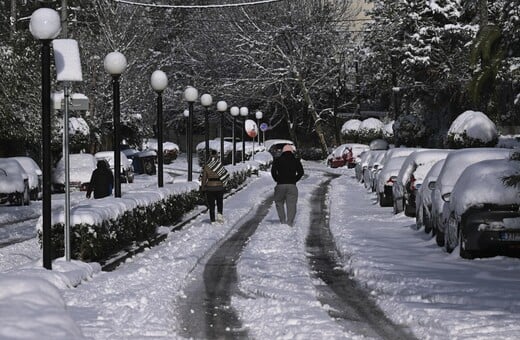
(418, 158)
(431, 175)
(397, 152)
(482, 183)
(459, 160)
(270, 142)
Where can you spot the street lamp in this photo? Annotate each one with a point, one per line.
(45, 26)
(186, 114)
(159, 82)
(190, 95)
(206, 101)
(258, 116)
(244, 112)
(235, 111)
(115, 64)
(221, 107)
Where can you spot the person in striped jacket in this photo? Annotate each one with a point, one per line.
(213, 181)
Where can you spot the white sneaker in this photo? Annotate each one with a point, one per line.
(220, 218)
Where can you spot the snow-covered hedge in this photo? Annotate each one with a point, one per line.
(103, 227)
(370, 129)
(472, 129)
(350, 130)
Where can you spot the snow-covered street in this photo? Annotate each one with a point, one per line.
(419, 287)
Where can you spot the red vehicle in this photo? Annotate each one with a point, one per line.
(339, 156)
(346, 154)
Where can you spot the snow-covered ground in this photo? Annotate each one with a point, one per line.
(437, 295)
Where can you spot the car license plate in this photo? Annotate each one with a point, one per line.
(505, 236)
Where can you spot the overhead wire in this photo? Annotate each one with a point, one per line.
(240, 4)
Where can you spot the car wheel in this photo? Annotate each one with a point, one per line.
(382, 200)
(409, 210)
(439, 238)
(26, 195)
(426, 222)
(398, 206)
(451, 236)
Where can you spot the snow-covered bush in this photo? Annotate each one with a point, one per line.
(409, 130)
(97, 238)
(350, 130)
(370, 129)
(472, 129)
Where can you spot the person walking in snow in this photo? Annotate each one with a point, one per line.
(286, 171)
(213, 180)
(101, 181)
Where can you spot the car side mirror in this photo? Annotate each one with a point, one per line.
(431, 185)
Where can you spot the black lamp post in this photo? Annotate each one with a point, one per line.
(159, 82)
(221, 107)
(258, 116)
(115, 64)
(186, 114)
(190, 95)
(206, 101)
(244, 112)
(235, 111)
(45, 26)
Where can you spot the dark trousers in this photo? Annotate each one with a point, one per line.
(213, 197)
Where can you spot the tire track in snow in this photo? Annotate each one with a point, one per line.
(207, 311)
(348, 303)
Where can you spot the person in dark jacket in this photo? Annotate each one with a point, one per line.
(286, 171)
(101, 181)
(213, 179)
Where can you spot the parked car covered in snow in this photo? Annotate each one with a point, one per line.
(456, 162)
(34, 174)
(170, 150)
(14, 183)
(275, 146)
(424, 198)
(338, 156)
(386, 180)
(367, 160)
(372, 168)
(127, 169)
(353, 152)
(411, 176)
(80, 171)
(484, 218)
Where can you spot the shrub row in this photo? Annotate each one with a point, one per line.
(99, 241)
